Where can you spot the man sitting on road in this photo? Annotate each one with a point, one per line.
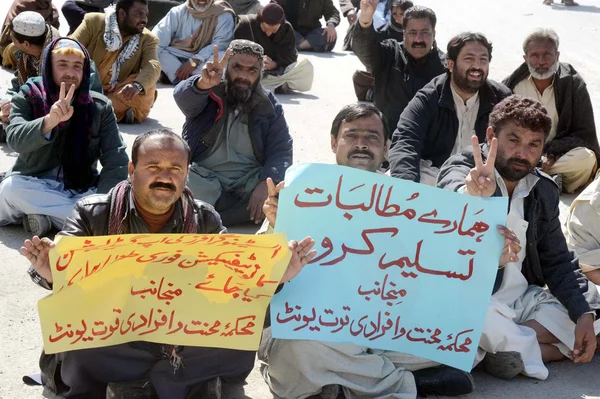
(399, 69)
(153, 200)
(126, 54)
(60, 130)
(526, 324)
(30, 34)
(237, 133)
(441, 118)
(305, 16)
(299, 368)
(187, 35)
(571, 149)
(282, 71)
(583, 230)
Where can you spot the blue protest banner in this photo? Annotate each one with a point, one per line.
(400, 266)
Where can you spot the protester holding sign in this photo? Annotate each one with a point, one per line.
(299, 368)
(153, 200)
(527, 325)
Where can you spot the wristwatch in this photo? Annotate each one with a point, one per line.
(193, 63)
(138, 86)
(38, 279)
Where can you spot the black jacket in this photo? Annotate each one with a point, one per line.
(576, 127)
(398, 76)
(428, 126)
(547, 261)
(305, 15)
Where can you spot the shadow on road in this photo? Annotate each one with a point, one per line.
(295, 98)
(138, 128)
(580, 8)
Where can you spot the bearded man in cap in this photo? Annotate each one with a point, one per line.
(60, 131)
(283, 73)
(187, 35)
(236, 131)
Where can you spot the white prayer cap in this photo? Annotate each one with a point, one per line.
(29, 23)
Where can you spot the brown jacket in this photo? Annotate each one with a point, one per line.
(43, 7)
(144, 62)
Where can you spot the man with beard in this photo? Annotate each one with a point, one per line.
(326, 370)
(30, 34)
(400, 69)
(527, 325)
(126, 54)
(153, 200)
(237, 133)
(282, 71)
(187, 35)
(441, 118)
(60, 130)
(571, 150)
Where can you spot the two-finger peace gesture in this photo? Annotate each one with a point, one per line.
(212, 72)
(481, 180)
(62, 110)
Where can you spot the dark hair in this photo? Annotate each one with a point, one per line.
(352, 112)
(167, 133)
(458, 42)
(33, 40)
(524, 111)
(125, 5)
(419, 12)
(402, 4)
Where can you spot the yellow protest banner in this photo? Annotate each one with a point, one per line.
(179, 289)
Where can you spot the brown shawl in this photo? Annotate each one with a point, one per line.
(43, 7)
(203, 36)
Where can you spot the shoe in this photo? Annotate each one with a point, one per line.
(328, 392)
(548, 2)
(209, 390)
(129, 117)
(284, 89)
(443, 381)
(38, 225)
(131, 390)
(503, 365)
(570, 3)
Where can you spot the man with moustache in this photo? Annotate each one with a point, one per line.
(527, 325)
(441, 118)
(571, 150)
(326, 370)
(283, 73)
(187, 35)
(153, 200)
(126, 55)
(400, 69)
(237, 132)
(60, 131)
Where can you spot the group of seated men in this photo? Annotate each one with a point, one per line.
(449, 126)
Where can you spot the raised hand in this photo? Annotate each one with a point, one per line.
(36, 251)
(481, 180)
(61, 110)
(512, 246)
(272, 203)
(212, 72)
(367, 9)
(301, 256)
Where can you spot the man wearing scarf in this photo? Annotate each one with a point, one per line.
(237, 133)
(60, 130)
(30, 34)
(126, 54)
(282, 71)
(44, 7)
(155, 199)
(188, 33)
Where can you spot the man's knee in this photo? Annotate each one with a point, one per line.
(543, 335)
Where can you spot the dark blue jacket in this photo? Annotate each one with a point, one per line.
(269, 133)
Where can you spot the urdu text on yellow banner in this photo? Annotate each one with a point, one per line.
(179, 289)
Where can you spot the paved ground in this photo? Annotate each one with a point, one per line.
(309, 116)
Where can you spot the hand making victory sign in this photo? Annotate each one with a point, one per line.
(272, 201)
(61, 110)
(212, 72)
(481, 180)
